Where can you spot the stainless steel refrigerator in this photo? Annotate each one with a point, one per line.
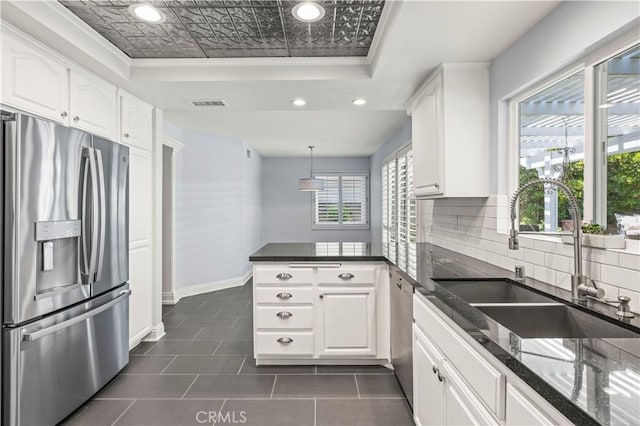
(65, 296)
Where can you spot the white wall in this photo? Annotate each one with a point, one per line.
(399, 139)
(287, 210)
(217, 219)
(560, 38)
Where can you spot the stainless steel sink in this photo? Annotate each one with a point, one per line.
(548, 321)
(493, 292)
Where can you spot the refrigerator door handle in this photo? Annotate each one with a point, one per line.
(102, 213)
(39, 334)
(84, 175)
(91, 270)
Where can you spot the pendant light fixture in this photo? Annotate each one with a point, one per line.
(311, 183)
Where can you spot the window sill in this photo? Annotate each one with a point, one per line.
(337, 227)
(632, 246)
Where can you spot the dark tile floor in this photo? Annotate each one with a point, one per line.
(203, 372)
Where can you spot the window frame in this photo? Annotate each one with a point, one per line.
(594, 203)
(341, 225)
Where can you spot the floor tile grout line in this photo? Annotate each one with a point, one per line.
(275, 379)
(222, 406)
(167, 366)
(217, 347)
(355, 377)
(198, 333)
(189, 388)
(124, 412)
(152, 346)
(242, 365)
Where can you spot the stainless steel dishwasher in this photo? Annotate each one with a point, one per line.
(401, 333)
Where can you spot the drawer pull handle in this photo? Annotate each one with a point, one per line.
(285, 340)
(284, 314)
(346, 276)
(284, 296)
(284, 276)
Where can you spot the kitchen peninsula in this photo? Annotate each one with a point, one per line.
(338, 296)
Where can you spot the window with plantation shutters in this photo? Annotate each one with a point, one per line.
(399, 217)
(344, 202)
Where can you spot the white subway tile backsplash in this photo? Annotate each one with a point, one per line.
(629, 261)
(545, 259)
(557, 262)
(620, 277)
(543, 274)
(601, 256)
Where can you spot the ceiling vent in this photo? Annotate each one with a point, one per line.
(209, 103)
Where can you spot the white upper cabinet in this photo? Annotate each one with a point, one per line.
(451, 133)
(136, 125)
(34, 81)
(92, 104)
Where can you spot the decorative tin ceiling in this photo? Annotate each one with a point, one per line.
(234, 28)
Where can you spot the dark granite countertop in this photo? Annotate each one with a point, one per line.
(589, 380)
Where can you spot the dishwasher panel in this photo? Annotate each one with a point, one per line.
(401, 333)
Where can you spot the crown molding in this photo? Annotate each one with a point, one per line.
(53, 25)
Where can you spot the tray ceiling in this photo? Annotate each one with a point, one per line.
(234, 29)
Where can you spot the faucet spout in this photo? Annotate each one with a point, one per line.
(577, 278)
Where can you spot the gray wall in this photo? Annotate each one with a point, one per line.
(287, 210)
(217, 219)
(401, 138)
(568, 32)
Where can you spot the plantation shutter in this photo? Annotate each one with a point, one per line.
(344, 202)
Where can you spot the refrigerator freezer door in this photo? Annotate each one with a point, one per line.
(42, 163)
(113, 252)
(55, 364)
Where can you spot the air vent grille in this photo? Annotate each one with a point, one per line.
(209, 103)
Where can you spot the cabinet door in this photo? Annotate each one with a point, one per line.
(34, 81)
(347, 321)
(427, 389)
(428, 138)
(92, 105)
(136, 126)
(520, 411)
(140, 244)
(461, 406)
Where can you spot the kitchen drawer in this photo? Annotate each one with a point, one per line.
(276, 317)
(485, 380)
(347, 275)
(267, 344)
(274, 275)
(284, 295)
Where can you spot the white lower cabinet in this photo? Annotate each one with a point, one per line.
(347, 321)
(454, 383)
(318, 312)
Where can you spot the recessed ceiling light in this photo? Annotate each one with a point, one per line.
(359, 101)
(147, 13)
(308, 11)
(299, 102)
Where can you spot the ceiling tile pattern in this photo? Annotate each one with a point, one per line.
(234, 28)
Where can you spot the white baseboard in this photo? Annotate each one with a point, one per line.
(137, 338)
(156, 333)
(171, 298)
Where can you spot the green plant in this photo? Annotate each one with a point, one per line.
(592, 228)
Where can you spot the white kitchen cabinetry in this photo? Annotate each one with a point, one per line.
(441, 397)
(450, 119)
(34, 81)
(40, 83)
(92, 104)
(140, 217)
(347, 321)
(136, 121)
(320, 312)
(455, 384)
